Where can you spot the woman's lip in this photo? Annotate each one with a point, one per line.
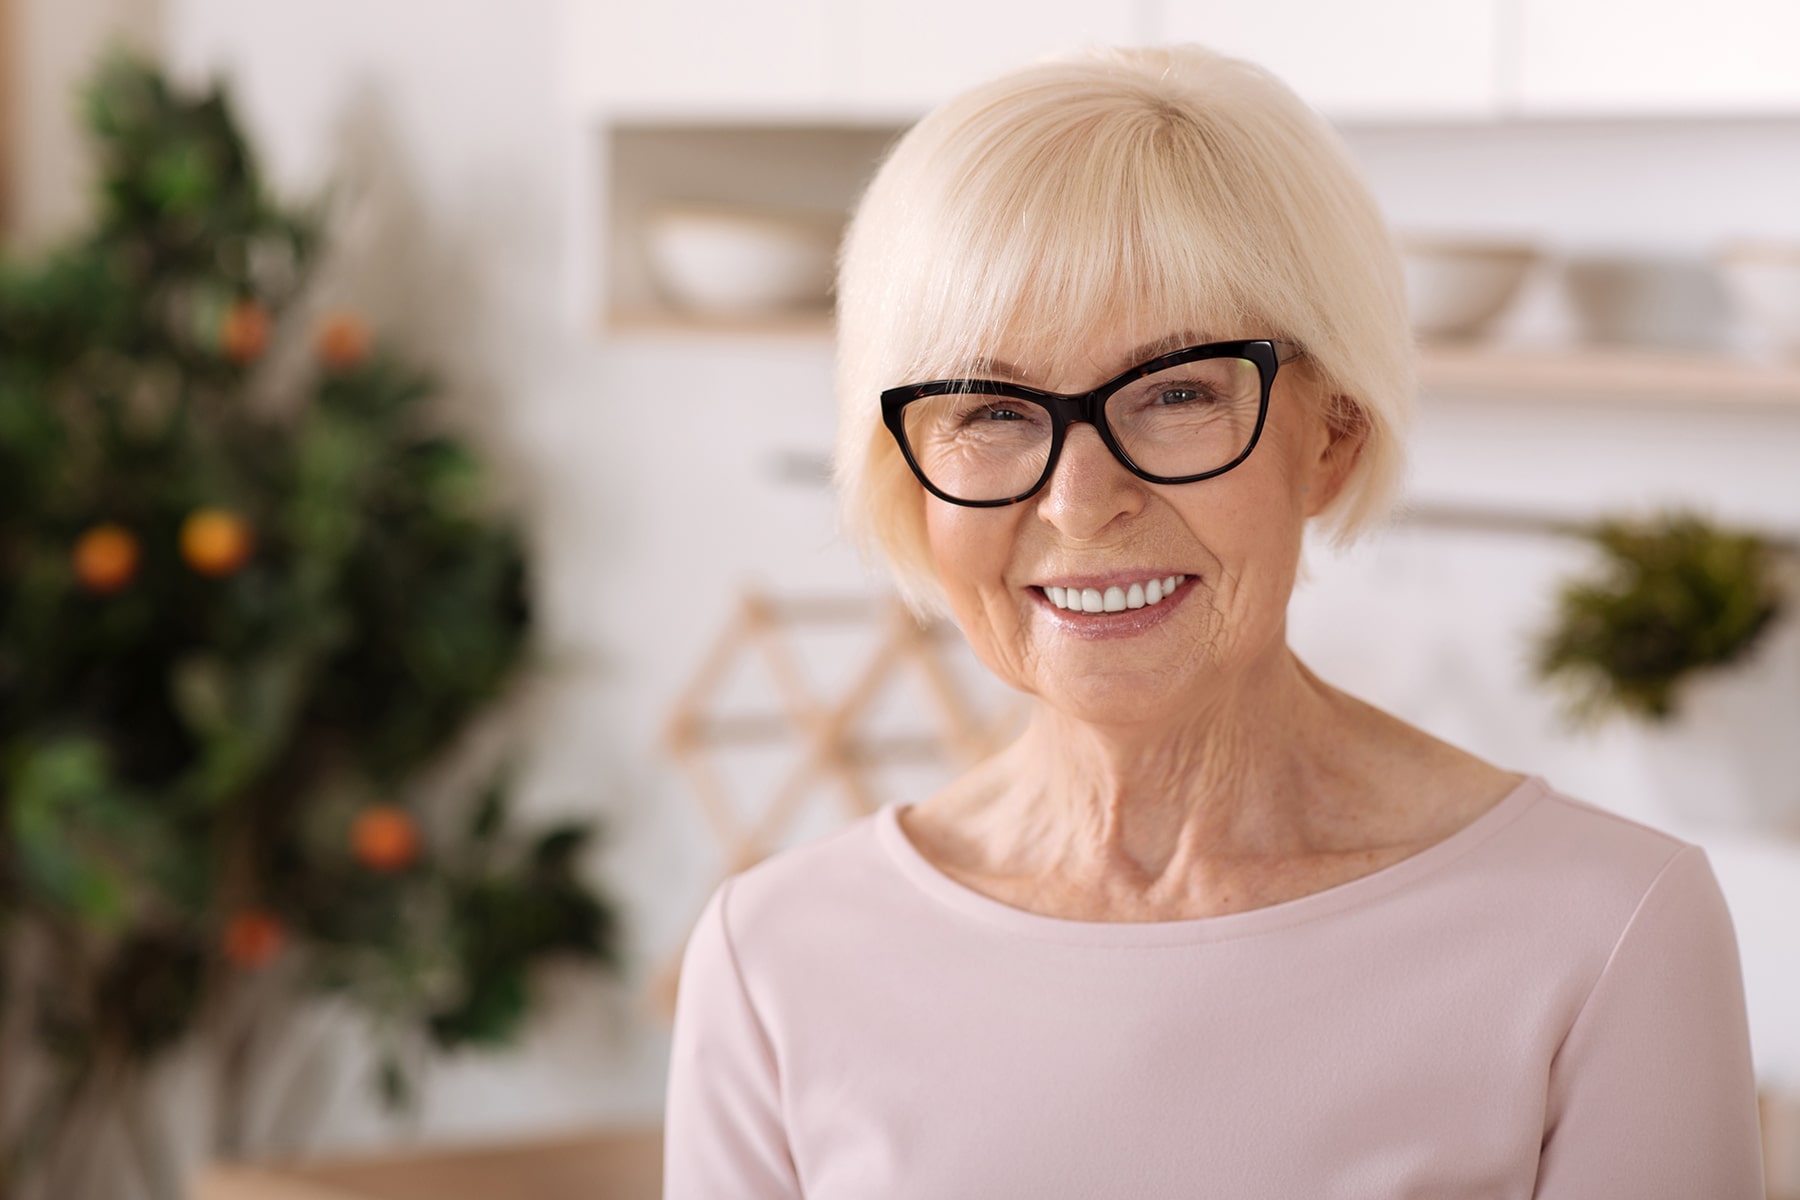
(1119, 579)
(1125, 623)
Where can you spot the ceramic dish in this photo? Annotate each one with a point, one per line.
(1456, 288)
(733, 261)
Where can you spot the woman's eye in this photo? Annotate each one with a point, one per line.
(1181, 395)
(994, 412)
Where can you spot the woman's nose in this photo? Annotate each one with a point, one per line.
(1089, 489)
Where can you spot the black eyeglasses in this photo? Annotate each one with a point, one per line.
(1182, 417)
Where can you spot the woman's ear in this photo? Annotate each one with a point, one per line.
(1347, 431)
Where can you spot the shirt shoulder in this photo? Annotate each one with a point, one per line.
(828, 867)
(804, 901)
(1586, 860)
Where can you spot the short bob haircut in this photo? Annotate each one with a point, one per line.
(1171, 183)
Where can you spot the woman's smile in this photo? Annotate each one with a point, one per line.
(1111, 593)
(1111, 606)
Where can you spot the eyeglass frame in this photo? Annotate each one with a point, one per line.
(1067, 409)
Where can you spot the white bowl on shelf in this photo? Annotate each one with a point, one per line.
(1654, 301)
(724, 261)
(1763, 281)
(1455, 287)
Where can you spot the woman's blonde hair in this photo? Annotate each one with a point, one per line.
(1170, 183)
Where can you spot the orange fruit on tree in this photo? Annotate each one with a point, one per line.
(384, 838)
(215, 541)
(105, 558)
(244, 332)
(343, 341)
(253, 938)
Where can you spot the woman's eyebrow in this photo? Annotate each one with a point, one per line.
(1000, 368)
(985, 367)
(1164, 345)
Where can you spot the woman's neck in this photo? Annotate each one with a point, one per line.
(1231, 773)
(1247, 796)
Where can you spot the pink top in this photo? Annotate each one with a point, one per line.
(1546, 1004)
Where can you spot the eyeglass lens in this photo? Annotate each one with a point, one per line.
(1183, 420)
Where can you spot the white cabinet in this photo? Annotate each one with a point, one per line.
(1375, 59)
(1382, 60)
(1657, 58)
(707, 58)
(812, 59)
(911, 55)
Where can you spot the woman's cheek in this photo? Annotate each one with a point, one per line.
(966, 551)
(971, 556)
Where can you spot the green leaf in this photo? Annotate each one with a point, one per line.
(489, 814)
(490, 1015)
(182, 177)
(393, 1085)
(66, 819)
(555, 850)
(202, 693)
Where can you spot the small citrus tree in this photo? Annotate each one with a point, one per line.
(240, 608)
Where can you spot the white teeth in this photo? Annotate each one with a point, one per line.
(1115, 599)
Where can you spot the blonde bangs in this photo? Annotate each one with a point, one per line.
(1076, 226)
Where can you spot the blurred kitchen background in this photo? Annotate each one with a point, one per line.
(605, 229)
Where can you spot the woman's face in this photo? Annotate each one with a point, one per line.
(1233, 541)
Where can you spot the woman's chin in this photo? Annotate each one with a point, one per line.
(1113, 697)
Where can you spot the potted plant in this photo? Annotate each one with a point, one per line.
(246, 598)
(1678, 630)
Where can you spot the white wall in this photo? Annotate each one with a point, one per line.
(468, 254)
(53, 45)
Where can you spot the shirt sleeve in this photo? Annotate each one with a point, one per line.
(723, 1134)
(1652, 1094)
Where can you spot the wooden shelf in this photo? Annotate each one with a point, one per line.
(1606, 374)
(1583, 373)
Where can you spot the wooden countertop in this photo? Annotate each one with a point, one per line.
(613, 1165)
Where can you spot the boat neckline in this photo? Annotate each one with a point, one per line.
(1355, 893)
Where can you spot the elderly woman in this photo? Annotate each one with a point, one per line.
(1114, 331)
